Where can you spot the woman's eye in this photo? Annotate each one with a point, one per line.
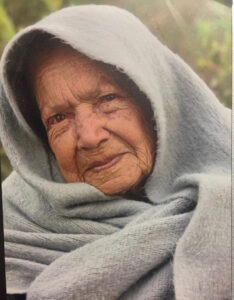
(109, 97)
(56, 119)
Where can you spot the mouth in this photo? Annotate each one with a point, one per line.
(98, 166)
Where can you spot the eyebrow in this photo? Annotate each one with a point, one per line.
(94, 92)
(51, 109)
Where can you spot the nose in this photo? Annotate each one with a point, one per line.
(90, 129)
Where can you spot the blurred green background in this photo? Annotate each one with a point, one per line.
(198, 31)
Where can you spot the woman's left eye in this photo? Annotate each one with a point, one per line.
(109, 97)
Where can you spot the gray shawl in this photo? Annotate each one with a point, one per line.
(69, 240)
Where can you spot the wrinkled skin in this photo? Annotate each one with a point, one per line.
(95, 130)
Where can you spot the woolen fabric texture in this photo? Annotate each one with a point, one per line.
(69, 240)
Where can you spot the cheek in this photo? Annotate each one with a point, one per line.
(131, 128)
(64, 148)
(141, 138)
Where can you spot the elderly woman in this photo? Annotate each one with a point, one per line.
(121, 158)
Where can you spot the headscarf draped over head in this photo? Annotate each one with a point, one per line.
(69, 240)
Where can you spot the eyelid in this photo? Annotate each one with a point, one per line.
(104, 97)
(52, 118)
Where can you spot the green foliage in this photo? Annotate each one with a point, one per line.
(214, 56)
(6, 28)
(53, 5)
(5, 164)
(24, 12)
(77, 2)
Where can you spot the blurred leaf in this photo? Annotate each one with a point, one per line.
(24, 12)
(6, 28)
(214, 56)
(78, 2)
(53, 5)
(5, 164)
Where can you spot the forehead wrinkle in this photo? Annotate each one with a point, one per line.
(41, 87)
(86, 92)
(54, 104)
(94, 90)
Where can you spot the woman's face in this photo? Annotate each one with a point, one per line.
(96, 131)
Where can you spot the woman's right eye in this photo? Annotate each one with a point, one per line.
(56, 119)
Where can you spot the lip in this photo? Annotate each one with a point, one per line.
(105, 164)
